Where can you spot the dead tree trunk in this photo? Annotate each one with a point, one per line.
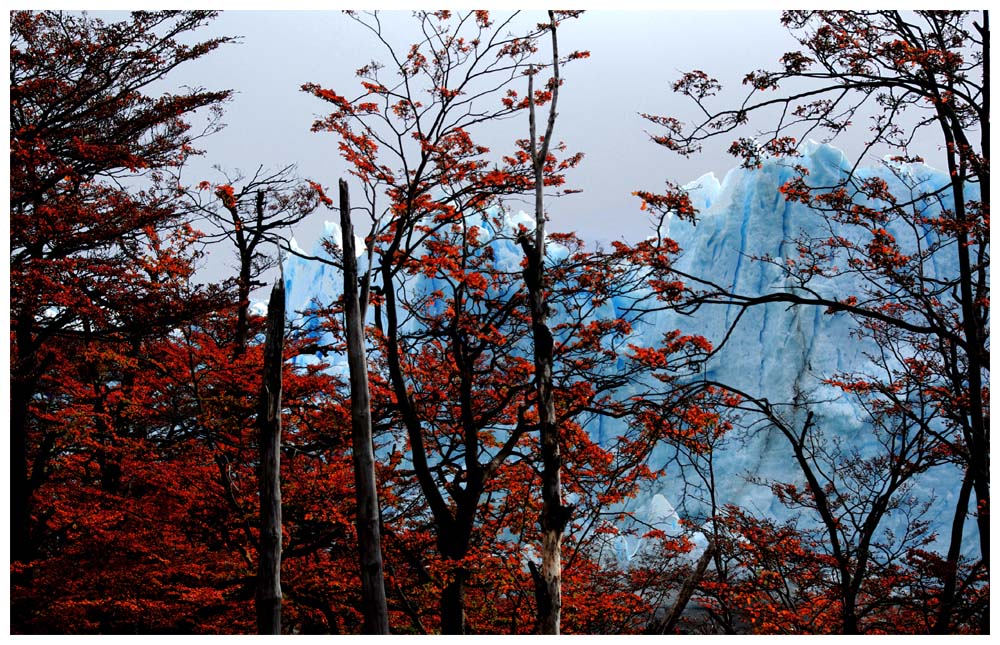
(548, 583)
(369, 539)
(269, 427)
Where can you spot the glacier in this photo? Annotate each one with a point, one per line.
(774, 352)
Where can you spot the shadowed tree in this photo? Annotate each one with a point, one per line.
(82, 124)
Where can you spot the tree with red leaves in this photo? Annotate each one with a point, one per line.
(81, 123)
(451, 364)
(132, 422)
(421, 119)
(916, 74)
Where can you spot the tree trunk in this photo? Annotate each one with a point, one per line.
(369, 538)
(269, 427)
(20, 491)
(977, 434)
(242, 308)
(850, 614)
(947, 605)
(245, 253)
(687, 590)
(548, 583)
(453, 605)
(23, 382)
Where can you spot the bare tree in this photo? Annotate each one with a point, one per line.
(269, 477)
(555, 515)
(369, 536)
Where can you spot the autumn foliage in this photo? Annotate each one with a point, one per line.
(134, 388)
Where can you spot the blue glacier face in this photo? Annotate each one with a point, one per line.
(774, 352)
(783, 353)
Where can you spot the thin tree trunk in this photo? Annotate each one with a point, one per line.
(977, 434)
(243, 280)
(369, 538)
(269, 427)
(974, 334)
(947, 604)
(983, 288)
(23, 382)
(548, 583)
(687, 590)
(242, 309)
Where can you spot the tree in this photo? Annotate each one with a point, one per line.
(853, 494)
(369, 536)
(253, 214)
(463, 62)
(555, 514)
(452, 367)
(80, 123)
(132, 420)
(269, 478)
(913, 73)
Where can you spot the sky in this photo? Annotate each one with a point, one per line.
(635, 56)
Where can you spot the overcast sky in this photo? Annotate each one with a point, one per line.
(635, 56)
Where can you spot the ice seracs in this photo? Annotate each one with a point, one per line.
(776, 352)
